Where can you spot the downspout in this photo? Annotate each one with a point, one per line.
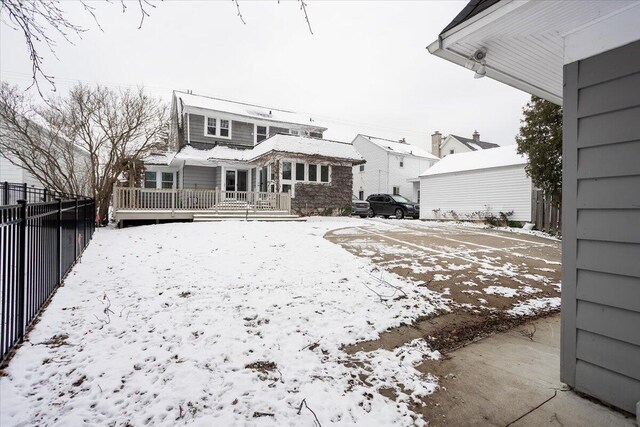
(387, 190)
(188, 130)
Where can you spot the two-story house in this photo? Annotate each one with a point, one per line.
(226, 154)
(391, 167)
(454, 144)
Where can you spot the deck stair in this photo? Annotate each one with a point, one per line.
(245, 215)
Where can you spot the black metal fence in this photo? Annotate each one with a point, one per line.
(41, 237)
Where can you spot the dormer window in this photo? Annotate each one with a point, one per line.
(217, 127)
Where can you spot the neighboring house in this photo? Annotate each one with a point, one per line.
(391, 167)
(589, 64)
(11, 172)
(64, 163)
(203, 121)
(454, 144)
(476, 184)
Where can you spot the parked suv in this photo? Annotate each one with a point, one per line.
(359, 207)
(393, 205)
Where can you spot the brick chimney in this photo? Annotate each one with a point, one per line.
(436, 140)
(476, 136)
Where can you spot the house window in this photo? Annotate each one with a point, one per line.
(452, 151)
(313, 173)
(294, 132)
(167, 179)
(361, 195)
(361, 168)
(401, 163)
(211, 126)
(324, 173)
(299, 171)
(261, 133)
(224, 128)
(286, 188)
(286, 170)
(217, 127)
(396, 191)
(149, 180)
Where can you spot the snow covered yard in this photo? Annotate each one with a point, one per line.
(218, 324)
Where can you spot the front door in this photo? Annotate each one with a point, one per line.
(230, 180)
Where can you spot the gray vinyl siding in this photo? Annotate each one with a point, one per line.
(201, 177)
(601, 220)
(241, 133)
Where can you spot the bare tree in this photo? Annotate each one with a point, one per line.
(114, 128)
(26, 141)
(42, 21)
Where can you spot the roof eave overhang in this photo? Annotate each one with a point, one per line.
(436, 48)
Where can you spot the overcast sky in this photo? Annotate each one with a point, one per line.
(364, 70)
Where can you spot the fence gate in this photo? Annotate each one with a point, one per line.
(42, 234)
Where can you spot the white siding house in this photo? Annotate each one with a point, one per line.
(392, 167)
(10, 172)
(463, 185)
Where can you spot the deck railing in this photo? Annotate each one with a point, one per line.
(149, 199)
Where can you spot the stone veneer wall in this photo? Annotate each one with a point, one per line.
(325, 199)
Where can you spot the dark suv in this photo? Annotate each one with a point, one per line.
(393, 205)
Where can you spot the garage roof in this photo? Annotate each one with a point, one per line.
(476, 160)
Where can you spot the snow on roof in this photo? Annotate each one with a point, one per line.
(400, 147)
(309, 146)
(160, 158)
(281, 143)
(474, 160)
(247, 110)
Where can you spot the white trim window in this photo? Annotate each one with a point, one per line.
(262, 133)
(294, 132)
(167, 180)
(215, 127)
(212, 127)
(150, 179)
(396, 191)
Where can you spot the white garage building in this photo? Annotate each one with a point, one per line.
(468, 184)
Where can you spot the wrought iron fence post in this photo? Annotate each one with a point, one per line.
(59, 241)
(75, 239)
(6, 193)
(24, 192)
(22, 251)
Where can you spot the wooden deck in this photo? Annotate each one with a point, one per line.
(130, 204)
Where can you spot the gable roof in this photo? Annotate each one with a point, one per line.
(398, 147)
(475, 160)
(244, 109)
(278, 143)
(475, 145)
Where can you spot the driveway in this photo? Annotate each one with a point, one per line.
(489, 280)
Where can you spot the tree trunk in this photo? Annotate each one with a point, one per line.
(103, 208)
